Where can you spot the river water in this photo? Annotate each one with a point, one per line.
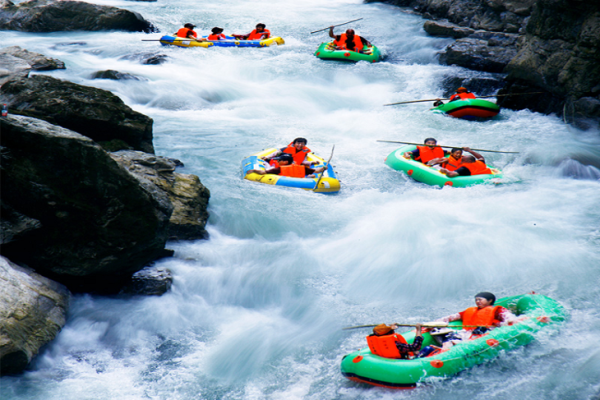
(256, 311)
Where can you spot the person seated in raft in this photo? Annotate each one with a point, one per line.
(462, 94)
(481, 318)
(349, 41)
(426, 153)
(217, 34)
(384, 342)
(188, 32)
(452, 162)
(297, 149)
(285, 166)
(470, 165)
(259, 33)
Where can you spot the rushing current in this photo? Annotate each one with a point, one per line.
(256, 311)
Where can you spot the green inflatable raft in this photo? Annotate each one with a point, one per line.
(432, 176)
(536, 312)
(471, 109)
(327, 51)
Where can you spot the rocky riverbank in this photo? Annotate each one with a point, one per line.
(547, 46)
(85, 205)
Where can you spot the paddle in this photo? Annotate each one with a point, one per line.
(174, 40)
(427, 325)
(324, 29)
(451, 147)
(324, 166)
(479, 97)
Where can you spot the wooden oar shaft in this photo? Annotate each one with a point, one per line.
(325, 168)
(479, 97)
(450, 147)
(324, 29)
(437, 325)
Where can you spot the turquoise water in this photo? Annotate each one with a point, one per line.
(256, 312)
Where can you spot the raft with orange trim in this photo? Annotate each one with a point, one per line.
(328, 184)
(535, 312)
(472, 109)
(229, 42)
(432, 176)
(327, 51)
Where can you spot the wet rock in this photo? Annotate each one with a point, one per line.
(12, 67)
(32, 311)
(95, 113)
(150, 281)
(98, 224)
(445, 28)
(37, 61)
(186, 193)
(55, 16)
(114, 75)
(479, 54)
(155, 60)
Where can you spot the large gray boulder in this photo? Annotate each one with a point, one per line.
(54, 16)
(77, 216)
(95, 113)
(37, 61)
(32, 311)
(12, 67)
(185, 191)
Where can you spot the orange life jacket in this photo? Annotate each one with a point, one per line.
(477, 168)
(183, 32)
(342, 43)
(299, 156)
(293, 171)
(463, 96)
(220, 36)
(452, 164)
(385, 346)
(259, 35)
(479, 316)
(426, 154)
(274, 163)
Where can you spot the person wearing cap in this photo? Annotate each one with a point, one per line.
(217, 34)
(349, 41)
(385, 342)
(427, 153)
(484, 316)
(188, 32)
(284, 165)
(259, 33)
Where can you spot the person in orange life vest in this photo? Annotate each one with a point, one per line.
(471, 165)
(217, 34)
(259, 33)
(384, 342)
(188, 32)
(427, 153)
(285, 166)
(348, 41)
(297, 149)
(484, 314)
(462, 94)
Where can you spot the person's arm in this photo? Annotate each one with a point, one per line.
(270, 156)
(436, 161)
(504, 316)
(462, 171)
(450, 318)
(475, 154)
(331, 35)
(365, 41)
(415, 153)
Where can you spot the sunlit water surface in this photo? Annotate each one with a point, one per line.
(256, 311)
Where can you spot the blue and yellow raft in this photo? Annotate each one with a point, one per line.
(328, 184)
(229, 42)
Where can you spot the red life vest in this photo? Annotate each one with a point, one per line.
(259, 35)
(342, 43)
(299, 156)
(426, 154)
(463, 96)
(452, 164)
(183, 32)
(479, 316)
(293, 171)
(477, 168)
(274, 163)
(220, 36)
(385, 346)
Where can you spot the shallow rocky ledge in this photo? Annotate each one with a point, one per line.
(16, 62)
(56, 16)
(32, 312)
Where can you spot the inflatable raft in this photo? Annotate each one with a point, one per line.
(431, 175)
(472, 109)
(328, 184)
(327, 51)
(169, 40)
(536, 312)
